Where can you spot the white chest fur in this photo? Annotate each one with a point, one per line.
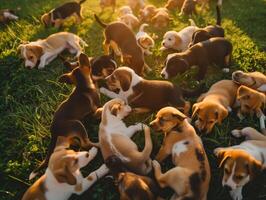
(180, 147)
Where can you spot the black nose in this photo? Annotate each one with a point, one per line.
(87, 155)
(227, 188)
(163, 43)
(162, 75)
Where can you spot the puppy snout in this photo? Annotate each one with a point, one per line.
(227, 187)
(87, 155)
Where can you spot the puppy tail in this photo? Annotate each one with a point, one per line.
(219, 18)
(104, 25)
(193, 93)
(81, 1)
(142, 27)
(192, 23)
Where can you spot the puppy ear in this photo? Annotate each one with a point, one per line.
(180, 116)
(115, 108)
(65, 176)
(195, 110)
(222, 155)
(21, 48)
(84, 60)
(37, 50)
(125, 81)
(221, 114)
(255, 168)
(66, 78)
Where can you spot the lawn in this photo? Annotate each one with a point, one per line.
(28, 98)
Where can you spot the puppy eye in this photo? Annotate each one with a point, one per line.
(31, 57)
(169, 39)
(161, 120)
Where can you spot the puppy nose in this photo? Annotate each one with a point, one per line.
(87, 155)
(227, 188)
(163, 43)
(162, 75)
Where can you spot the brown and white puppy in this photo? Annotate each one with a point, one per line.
(251, 101)
(63, 178)
(130, 185)
(213, 51)
(123, 42)
(124, 10)
(114, 137)
(146, 95)
(190, 177)
(213, 107)
(83, 101)
(174, 4)
(188, 8)
(146, 14)
(130, 20)
(161, 18)
(210, 31)
(242, 163)
(144, 40)
(7, 15)
(179, 40)
(136, 4)
(255, 80)
(41, 52)
(57, 16)
(107, 3)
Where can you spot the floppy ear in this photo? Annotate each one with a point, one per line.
(195, 110)
(37, 50)
(255, 168)
(115, 108)
(180, 116)
(178, 40)
(84, 60)
(222, 155)
(66, 78)
(125, 81)
(21, 48)
(65, 176)
(221, 114)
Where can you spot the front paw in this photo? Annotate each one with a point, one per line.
(236, 195)
(156, 164)
(236, 133)
(103, 90)
(41, 66)
(93, 152)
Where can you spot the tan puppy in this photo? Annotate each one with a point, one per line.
(161, 18)
(130, 20)
(114, 137)
(147, 13)
(213, 107)
(174, 4)
(63, 178)
(255, 80)
(107, 3)
(244, 162)
(136, 4)
(188, 8)
(42, 52)
(144, 40)
(124, 10)
(191, 175)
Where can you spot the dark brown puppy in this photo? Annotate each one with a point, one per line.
(213, 51)
(56, 16)
(7, 15)
(130, 185)
(84, 100)
(208, 32)
(188, 8)
(124, 43)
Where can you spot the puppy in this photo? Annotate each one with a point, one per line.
(124, 43)
(130, 20)
(136, 4)
(63, 177)
(208, 32)
(130, 185)
(84, 100)
(242, 163)
(255, 80)
(146, 95)
(146, 14)
(114, 138)
(107, 3)
(179, 40)
(213, 51)
(124, 10)
(191, 175)
(251, 101)
(57, 16)
(7, 15)
(41, 52)
(144, 40)
(188, 8)
(174, 4)
(161, 18)
(213, 107)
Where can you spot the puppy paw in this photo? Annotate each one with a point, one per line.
(216, 151)
(226, 70)
(240, 116)
(156, 164)
(93, 151)
(103, 90)
(163, 49)
(236, 133)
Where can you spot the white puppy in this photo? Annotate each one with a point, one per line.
(144, 40)
(41, 52)
(124, 10)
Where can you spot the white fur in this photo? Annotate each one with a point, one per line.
(262, 88)
(9, 15)
(125, 10)
(237, 194)
(143, 34)
(179, 148)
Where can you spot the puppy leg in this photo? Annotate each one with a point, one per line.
(249, 134)
(108, 93)
(115, 48)
(236, 194)
(164, 151)
(262, 88)
(43, 60)
(75, 45)
(78, 17)
(141, 110)
(106, 47)
(131, 130)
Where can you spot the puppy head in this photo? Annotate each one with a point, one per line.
(199, 36)
(146, 42)
(239, 167)
(174, 65)
(161, 19)
(121, 79)
(117, 108)
(46, 19)
(146, 14)
(208, 114)
(31, 54)
(167, 118)
(173, 4)
(125, 10)
(81, 75)
(243, 78)
(171, 40)
(102, 66)
(250, 100)
(130, 20)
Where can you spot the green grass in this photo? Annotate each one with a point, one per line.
(28, 98)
